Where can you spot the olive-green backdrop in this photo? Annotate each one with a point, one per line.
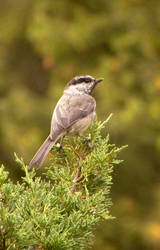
(43, 44)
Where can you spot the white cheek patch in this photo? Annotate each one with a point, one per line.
(76, 89)
(80, 86)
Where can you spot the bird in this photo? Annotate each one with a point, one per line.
(73, 114)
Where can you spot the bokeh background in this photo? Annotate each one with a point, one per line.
(43, 44)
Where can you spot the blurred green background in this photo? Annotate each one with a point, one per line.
(44, 44)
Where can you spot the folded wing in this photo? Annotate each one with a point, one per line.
(70, 109)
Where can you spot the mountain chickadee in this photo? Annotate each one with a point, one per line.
(74, 112)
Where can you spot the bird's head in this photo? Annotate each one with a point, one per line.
(83, 84)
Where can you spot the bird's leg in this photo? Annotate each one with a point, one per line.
(87, 139)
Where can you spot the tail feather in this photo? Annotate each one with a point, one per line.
(42, 153)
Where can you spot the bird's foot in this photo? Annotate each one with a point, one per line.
(60, 148)
(87, 139)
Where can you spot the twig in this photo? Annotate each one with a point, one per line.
(3, 237)
(79, 177)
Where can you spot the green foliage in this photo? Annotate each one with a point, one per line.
(3, 175)
(61, 210)
(43, 44)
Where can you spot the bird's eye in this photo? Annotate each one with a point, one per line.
(87, 80)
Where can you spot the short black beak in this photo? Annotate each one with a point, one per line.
(95, 83)
(99, 80)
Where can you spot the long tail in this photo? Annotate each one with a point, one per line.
(42, 153)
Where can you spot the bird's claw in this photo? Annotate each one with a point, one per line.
(87, 139)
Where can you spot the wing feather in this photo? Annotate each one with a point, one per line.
(70, 109)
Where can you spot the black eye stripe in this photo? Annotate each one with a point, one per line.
(80, 79)
(88, 80)
(84, 79)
